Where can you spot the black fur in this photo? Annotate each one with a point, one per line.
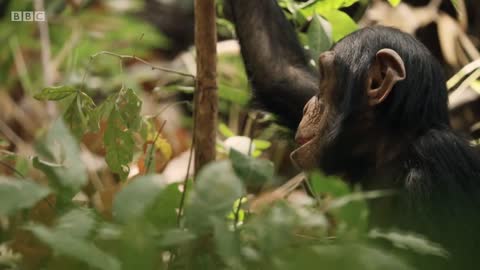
(436, 171)
(275, 61)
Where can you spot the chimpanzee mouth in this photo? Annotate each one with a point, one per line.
(304, 156)
(303, 141)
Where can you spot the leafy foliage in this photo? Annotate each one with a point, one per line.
(75, 247)
(341, 23)
(142, 222)
(59, 160)
(55, 93)
(19, 194)
(145, 231)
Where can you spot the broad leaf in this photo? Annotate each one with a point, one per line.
(318, 40)
(233, 94)
(132, 202)
(61, 160)
(324, 185)
(65, 244)
(225, 130)
(129, 106)
(163, 212)
(252, 171)
(342, 257)
(417, 243)
(55, 93)
(213, 195)
(119, 144)
(78, 222)
(261, 144)
(79, 114)
(342, 24)
(17, 194)
(176, 237)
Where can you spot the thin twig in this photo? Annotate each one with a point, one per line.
(20, 65)
(67, 47)
(122, 56)
(85, 73)
(134, 48)
(279, 193)
(171, 105)
(250, 135)
(22, 176)
(185, 183)
(6, 165)
(150, 152)
(185, 180)
(10, 134)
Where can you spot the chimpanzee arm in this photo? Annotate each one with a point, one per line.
(275, 61)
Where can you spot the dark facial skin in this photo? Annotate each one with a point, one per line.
(317, 115)
(320, 111)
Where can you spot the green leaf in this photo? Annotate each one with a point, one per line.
(176, 237)
(359, 196)
(395, 3)
(342, 257)
(129, 106)
(261, 144)
(318, 40)
(123, 120)
(65, 244)
(119, 144)
(138, 248)
(78, 223)
(132, 202)
(61, 160)
(79, 114)
(225, 131)
(318, 7)
(333, 186)
(55, 93)
(233, 94)
(342, 24)
(105, 108)
(273, 229)
(216, 189)
(325, 5)
(347, 3)
(17, 194)
(252, 171)
(349, 211)
(416, 243)
(352, 209)
(228, 244)
(163, 212)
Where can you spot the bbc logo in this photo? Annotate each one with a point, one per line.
(28, 16)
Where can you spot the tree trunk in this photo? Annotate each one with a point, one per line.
(206, 97)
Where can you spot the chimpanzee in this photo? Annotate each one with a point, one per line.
(375, 114)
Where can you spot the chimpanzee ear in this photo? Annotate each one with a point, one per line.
(387, 69)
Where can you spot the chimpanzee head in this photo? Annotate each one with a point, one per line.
(379, 89)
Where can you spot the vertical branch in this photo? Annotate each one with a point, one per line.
(206, 97)
(45, 45)
(48, 72)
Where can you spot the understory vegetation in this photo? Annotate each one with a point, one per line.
(96, 149)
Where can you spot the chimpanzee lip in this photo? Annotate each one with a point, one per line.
(304, 141)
